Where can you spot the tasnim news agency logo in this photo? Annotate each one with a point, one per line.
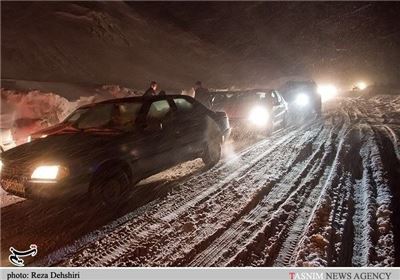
(16, 256)
(306, 275)
(343, 275)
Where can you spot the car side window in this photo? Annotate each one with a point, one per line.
(158, 109)
(126, 114)
(275, 98)
(76, 115)
(278, 97)
(182, 105)
(158, 112)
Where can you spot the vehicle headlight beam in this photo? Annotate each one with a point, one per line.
(302, 100)
(49, 172)
(258, 116)
(327, 92)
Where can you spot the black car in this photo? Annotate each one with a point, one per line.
(103, 148)
(256, 111)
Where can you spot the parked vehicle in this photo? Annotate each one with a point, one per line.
(252, 111)
(103, 148)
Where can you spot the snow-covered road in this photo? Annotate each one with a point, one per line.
(319, 194)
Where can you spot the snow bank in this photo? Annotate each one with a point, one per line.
(25, 112)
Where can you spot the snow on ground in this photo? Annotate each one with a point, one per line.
(318, 194)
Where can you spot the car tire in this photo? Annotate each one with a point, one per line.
(109, 190)
(212, 152)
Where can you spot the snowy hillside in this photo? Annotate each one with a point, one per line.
(100, 43)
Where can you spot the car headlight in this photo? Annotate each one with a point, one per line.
(259, 116)
(49, 172)
(302, 99)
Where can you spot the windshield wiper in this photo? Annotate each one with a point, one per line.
(94, 129)
(68, 129)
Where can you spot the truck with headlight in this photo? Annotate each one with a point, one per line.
(252, 112)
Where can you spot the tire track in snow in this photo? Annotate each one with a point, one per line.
(314, 247)
(275, 232)
(219, 252)
(394, 139)
(351, 226)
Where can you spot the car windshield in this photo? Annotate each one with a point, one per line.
(120, 116)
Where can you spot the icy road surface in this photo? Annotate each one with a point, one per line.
(325, 193)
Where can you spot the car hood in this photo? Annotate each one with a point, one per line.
(56, 148)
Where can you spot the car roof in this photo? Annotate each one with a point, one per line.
(137, 99)
(247, 91)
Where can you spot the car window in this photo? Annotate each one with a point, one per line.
(97, 116)
(220, 98)
(158, 110)
(125, 115)
(275, 97)
(278, 96)
(110, 115)
(129, 111)
(183, 105)
(76, 115)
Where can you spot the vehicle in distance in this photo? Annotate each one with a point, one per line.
(302, 97)
(252, 111)
(103, 148)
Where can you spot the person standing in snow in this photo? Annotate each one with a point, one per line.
(202, 95)
(151, 91)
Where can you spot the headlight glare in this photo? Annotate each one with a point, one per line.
(302, 99)
(49, 172)
(259, 116)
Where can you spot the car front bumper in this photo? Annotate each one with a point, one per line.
(36, 190)
(244, 125)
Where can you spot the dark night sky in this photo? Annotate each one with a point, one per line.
(222, 43)
(329, 40)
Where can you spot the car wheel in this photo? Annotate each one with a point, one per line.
(212, 152)
(110, 191)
